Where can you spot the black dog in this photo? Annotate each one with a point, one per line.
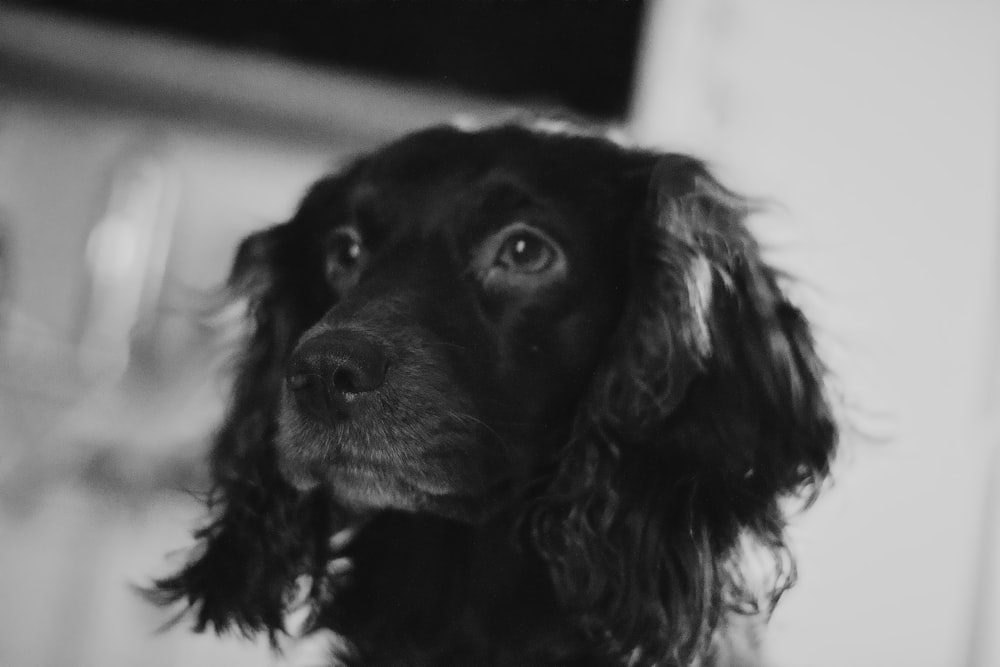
(545, 382)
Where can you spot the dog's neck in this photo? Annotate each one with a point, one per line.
(449, 593)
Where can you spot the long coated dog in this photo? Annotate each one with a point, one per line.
(511, 397)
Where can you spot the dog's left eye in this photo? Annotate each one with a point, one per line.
(519, 257)
(519, 253)
(525, 252)
(345, 253)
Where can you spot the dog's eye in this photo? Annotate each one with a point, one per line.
(520, 255)
(344, 254)
(525, 252)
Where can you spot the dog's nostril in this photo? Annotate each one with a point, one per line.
(357, 378)
(312, 394)
(358, 374)
(346, 380)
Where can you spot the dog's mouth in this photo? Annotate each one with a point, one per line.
(352, 476)
(445, 479)
(365, 487)
(300, 474)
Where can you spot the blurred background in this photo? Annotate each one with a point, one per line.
(139, 142)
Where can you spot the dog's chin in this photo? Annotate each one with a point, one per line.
(301, 478)
(365, 489)
(365, 476)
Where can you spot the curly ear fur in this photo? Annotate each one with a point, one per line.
(709, 410)
(264, 533)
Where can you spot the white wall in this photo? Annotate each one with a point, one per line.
(874, 125)
(69, 552)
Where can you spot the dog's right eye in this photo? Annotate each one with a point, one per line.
(345, 253)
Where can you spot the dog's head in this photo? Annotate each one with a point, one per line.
(469, 322)
(469, 286)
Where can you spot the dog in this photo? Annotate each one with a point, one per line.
(511, 397)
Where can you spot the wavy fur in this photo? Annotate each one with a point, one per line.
(686, 443)
(626, 534)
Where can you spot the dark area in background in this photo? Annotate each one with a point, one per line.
(579, 55)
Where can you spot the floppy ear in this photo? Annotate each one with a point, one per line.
(708, 411)
(263, 533)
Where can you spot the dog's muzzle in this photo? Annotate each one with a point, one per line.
(330, 371)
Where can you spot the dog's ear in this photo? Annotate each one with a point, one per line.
(263, 533)
(708, 411)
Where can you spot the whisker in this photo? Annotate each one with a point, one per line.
(442, 343)
(465, 417)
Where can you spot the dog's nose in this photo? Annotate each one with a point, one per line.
(329, 371)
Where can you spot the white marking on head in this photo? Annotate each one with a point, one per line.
(545, 125)
(568, 128)
(467, 122)
(558, 126)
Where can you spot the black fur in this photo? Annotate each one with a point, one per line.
(552, 467)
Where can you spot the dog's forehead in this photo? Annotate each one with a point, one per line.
(425, 173)
(410, 172)
(446, 151)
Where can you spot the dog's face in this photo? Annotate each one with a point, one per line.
(467, 286)
(582, 335)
